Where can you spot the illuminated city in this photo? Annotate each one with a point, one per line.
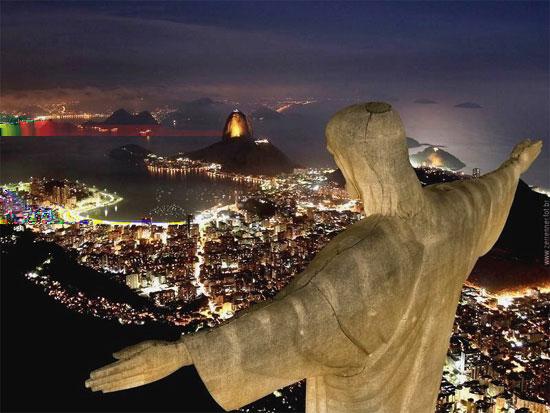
(202, 271)
(164, 171)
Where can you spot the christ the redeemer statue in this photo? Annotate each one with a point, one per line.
(367, 324)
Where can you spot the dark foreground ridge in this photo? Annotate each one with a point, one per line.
(49, 350)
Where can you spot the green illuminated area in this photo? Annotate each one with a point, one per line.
(10, 129)
(10, 125)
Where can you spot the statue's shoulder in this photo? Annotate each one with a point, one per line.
(371, 246)
(370, 233)
(376, 244)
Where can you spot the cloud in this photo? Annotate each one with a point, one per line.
(468, 105)
(146, 60)
(425, 101)
(83, 57)
(72, 49)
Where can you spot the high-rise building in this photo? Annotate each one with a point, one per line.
(37, 187)
(133, 281)
(476, 173)
(190, 219)
(60, 194)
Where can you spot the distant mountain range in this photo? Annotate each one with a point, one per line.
(123, 117)
(123, 123)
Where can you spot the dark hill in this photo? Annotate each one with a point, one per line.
(145, 118)
(265, 113)
(498, 272)
(517, 259)
(123, 117)
(412, 143)
(246, 156)
(437, 157)
(130, 153)
(262, 207)
(120, 116)
(524, 230)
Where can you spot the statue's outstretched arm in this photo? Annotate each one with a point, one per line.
(277, 344)
(494, 192)
(268, 347)
(502, 184)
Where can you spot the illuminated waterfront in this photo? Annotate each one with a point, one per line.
(163, 198)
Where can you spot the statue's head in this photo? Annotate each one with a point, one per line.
(369, 146)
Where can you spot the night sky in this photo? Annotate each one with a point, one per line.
(139, 55)
(257, 49)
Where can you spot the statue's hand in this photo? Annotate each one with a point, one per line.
(140, 364)
(525, 153)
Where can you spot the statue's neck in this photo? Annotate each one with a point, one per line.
(398, 194)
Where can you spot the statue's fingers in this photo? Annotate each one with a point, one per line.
(131, 350)
(118, 366)
(133, 375)
(95, 382)
(135, 381)
(102, 371)
(108, 382)
(520, 147)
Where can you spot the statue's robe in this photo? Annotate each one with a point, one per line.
(368, 323)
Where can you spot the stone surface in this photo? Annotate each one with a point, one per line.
(377, 107)
(368, 322)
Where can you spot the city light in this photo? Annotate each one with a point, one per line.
(227, 257)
